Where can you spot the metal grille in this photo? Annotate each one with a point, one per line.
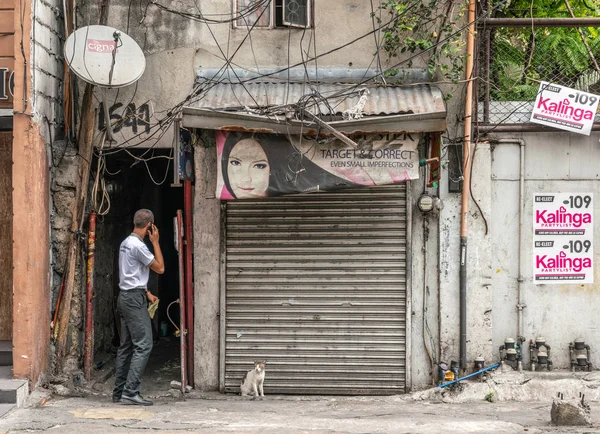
(316, 285)
(514, 60)
(295, 12)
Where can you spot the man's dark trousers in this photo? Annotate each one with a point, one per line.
(136, 341)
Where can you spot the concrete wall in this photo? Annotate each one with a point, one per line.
(47, 67)
(207, 244)
(425, 289)
(31, 257)
(176, 47)
(479, 250)
(37, 121)
(554, 162)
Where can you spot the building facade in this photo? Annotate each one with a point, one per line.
(353, 291)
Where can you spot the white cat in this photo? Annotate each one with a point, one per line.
(252, 384)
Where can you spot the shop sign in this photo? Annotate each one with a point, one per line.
(565, 108)
(261, 165)
(563, 238)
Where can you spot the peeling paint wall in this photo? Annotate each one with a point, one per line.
(207, 245)
(554, 162)
(479, 273)
(37, 121)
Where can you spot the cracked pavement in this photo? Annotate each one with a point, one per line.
(215, 413)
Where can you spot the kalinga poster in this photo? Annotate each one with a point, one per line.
(563, 238)
(262, 165)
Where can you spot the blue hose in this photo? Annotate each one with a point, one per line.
(489, 368)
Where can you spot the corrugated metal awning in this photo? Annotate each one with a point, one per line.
(265, 107)
(381, 100)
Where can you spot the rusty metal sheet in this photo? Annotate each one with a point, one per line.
(382, 100)
(246, 122)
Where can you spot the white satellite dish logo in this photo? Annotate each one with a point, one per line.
(100, 46)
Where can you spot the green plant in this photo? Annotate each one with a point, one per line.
(522, 56)
(428, 29)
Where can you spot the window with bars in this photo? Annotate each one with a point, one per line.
(270, 14)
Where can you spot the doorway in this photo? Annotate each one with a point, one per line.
(136, 179)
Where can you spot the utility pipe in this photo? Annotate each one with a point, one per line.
(520, 279)
(182, 323)
(189, 287)
(466, 183)
(89, 299)
(541, 22)
(522, 128)
(450, 383)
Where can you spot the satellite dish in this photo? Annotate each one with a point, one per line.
(104, 56)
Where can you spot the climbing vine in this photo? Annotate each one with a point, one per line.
(425, 29)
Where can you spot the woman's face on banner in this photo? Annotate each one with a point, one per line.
(248, 170)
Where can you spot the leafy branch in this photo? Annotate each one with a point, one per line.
(428, 28)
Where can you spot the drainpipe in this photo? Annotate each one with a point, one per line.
(520, 280)
(466, 183)
(89, 299)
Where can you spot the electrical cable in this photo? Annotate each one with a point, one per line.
(169, 316)
(103, 207)
(199, 90)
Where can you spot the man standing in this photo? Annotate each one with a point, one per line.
(135, 263)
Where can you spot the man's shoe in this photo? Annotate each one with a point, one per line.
(134, 400)
(116, 399)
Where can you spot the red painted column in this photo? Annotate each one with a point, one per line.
(189, 286)
(89, 299)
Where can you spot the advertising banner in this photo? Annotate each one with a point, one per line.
(253, 166)
(563, 238)
(565, 108)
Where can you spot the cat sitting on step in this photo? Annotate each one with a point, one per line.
(252, 384)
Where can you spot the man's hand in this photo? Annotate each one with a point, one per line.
(151, 297)
(153, 234)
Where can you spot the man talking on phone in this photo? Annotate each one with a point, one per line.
(135, 263)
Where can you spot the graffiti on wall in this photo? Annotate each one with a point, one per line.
(131, 117)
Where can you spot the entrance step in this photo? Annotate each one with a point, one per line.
(5, 408)
(12, 392)
(6, 353)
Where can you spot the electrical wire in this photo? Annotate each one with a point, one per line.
(101, 207)
(169, 316)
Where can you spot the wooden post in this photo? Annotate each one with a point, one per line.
(85, 145)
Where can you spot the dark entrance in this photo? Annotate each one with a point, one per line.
(133, 180)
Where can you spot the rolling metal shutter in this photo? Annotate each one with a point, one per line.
(317, 286)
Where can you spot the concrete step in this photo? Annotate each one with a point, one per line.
(6, 353)
(6, 373)
(13, 391)
(5, 408)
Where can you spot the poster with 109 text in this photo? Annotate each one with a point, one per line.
(563, 238)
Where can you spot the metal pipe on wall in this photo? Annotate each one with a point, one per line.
(89, 299)
(520, 305)
(189, 286)
(466, 182)
(182, 300)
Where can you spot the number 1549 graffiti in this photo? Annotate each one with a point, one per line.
(135, 118)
